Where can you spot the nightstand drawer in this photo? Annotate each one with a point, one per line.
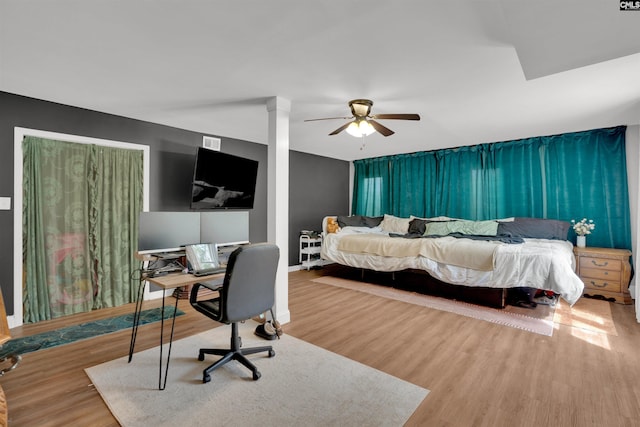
(602, 285)
(594, 273)
(599, 263)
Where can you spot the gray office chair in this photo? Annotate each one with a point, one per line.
(248, 290)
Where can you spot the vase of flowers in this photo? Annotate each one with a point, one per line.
(582, 228)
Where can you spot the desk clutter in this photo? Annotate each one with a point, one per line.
(198, 259)
(160, 264)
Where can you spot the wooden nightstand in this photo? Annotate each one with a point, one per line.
(605, 272)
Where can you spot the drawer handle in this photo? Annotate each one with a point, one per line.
(599, 265)
(595, 285)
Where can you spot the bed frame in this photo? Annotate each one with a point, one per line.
(422, 282)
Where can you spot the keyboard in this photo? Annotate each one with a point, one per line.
(209, 271)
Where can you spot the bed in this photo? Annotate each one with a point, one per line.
(500, 254)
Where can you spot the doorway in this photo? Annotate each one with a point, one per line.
(19, 134)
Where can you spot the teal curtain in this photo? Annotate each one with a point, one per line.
(568, 176)
(519, 184)
(80, 222)
(372, 185)
(413, 183)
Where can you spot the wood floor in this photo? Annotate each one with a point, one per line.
(479, 373)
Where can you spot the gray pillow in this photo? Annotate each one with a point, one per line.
(351, 221)
(535, 228)
(372, 221)
(417, 226)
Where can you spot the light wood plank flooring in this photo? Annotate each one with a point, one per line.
(479, 373)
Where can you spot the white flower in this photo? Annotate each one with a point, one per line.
(583, 227)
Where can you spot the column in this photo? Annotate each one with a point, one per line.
(278, 198)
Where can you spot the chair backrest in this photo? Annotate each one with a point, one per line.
(249, 283)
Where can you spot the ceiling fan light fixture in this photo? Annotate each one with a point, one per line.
(360, 128)
(360, 107)
(364, 123)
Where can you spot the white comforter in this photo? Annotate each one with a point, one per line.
(537, 263)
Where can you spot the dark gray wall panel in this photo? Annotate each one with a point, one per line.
(318, 186)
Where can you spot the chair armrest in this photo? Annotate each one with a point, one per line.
(214, 285)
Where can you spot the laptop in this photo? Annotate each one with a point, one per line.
(203, 259)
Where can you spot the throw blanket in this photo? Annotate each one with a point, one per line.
(474, 254)
(500, 238)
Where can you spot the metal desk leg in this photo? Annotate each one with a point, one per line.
(136, 318)
(162, 385)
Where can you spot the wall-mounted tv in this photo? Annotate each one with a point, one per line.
(223, 181)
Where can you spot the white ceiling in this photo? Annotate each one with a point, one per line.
(476, 71)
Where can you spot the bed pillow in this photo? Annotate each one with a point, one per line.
(372, 221)
(393, 224)
(435, 218)
(417, 225)
(477, 228)
(350, 221)
(535, 228)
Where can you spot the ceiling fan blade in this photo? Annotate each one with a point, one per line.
(385, 131)
(396, 116)
(329, 118)
(340, 129)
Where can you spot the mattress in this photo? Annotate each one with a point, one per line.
(536, 263)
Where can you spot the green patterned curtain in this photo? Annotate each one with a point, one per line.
(568, 176)
(57, 276)
(80, 215)
(116, 202)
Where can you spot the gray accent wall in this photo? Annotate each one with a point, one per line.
(318, 186)
(172, 156)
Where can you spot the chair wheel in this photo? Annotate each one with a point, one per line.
(272, 353)
(201, 356)
(206, 378)
(256, 375)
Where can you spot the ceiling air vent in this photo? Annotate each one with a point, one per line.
(211, 143)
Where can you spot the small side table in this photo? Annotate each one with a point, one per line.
(605, 272)
(310, 247)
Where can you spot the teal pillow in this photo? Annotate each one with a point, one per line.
(478, 228)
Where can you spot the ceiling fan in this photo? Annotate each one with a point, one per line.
(363, 122)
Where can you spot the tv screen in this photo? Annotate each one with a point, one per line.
(223, 181)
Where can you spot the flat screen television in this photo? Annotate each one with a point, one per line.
(223, 181)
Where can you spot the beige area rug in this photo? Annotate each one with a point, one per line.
(303, 385)
(587, 314)
(540, 321)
